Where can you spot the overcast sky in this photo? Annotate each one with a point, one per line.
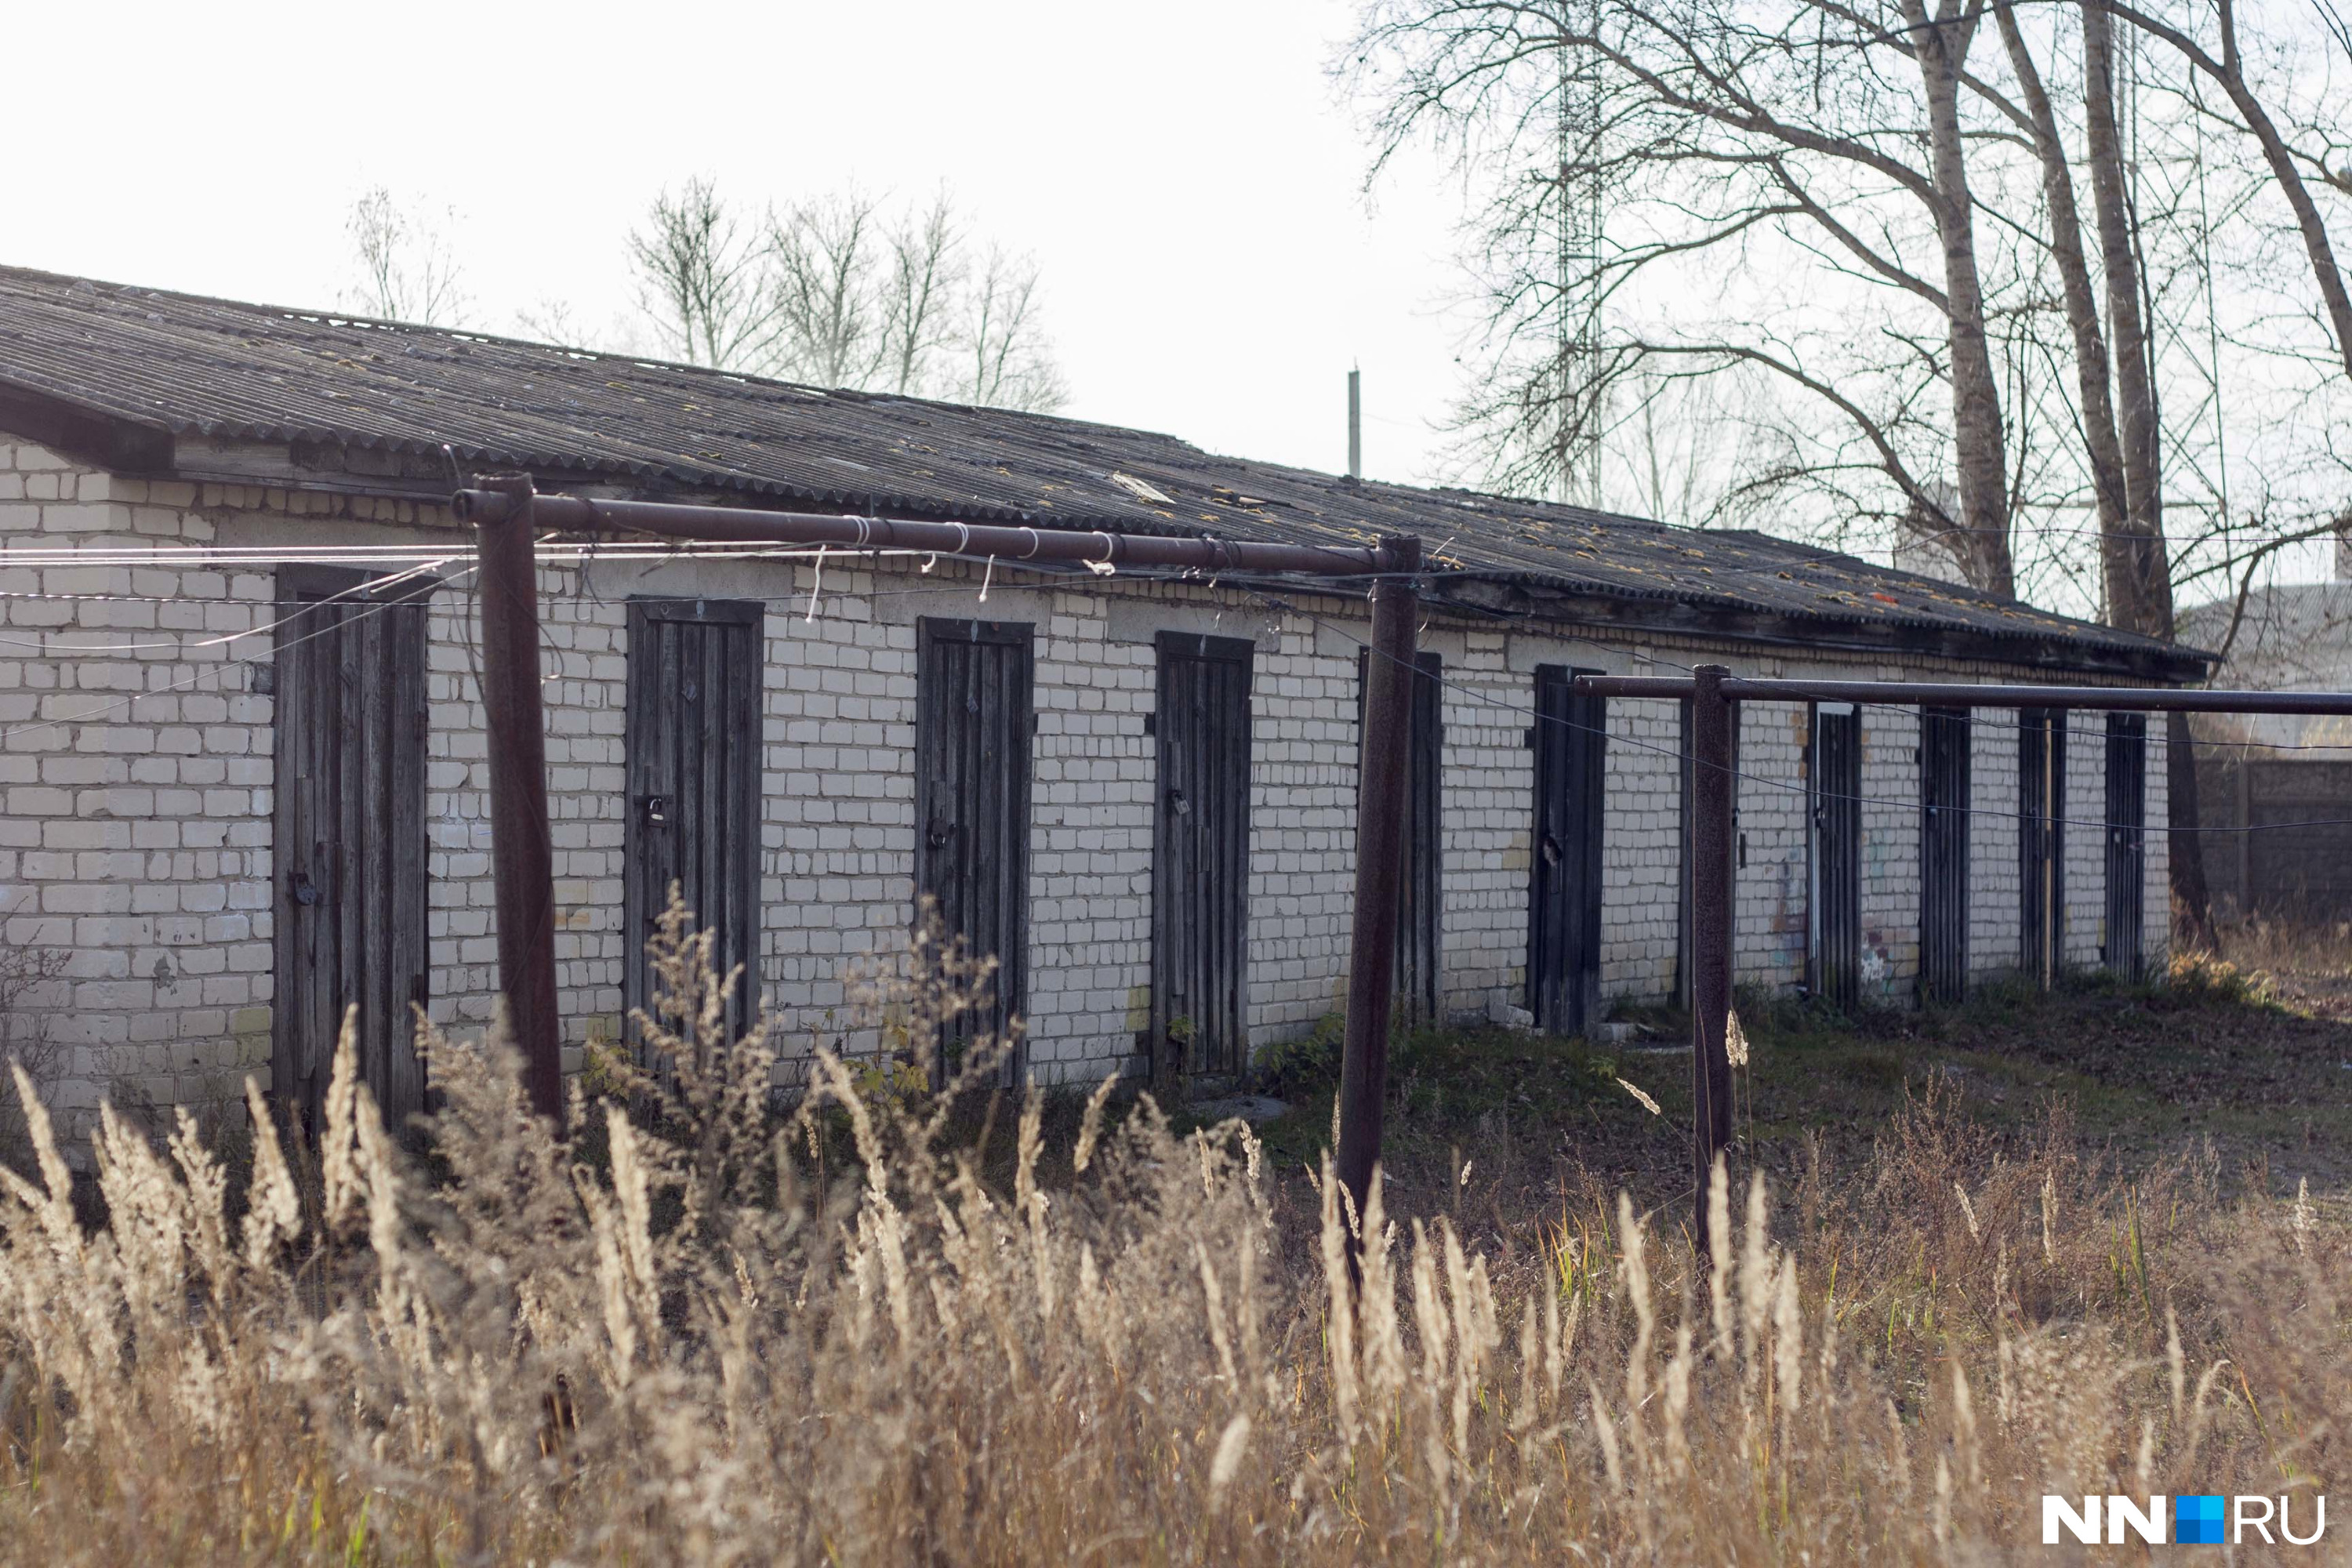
(1189, 180)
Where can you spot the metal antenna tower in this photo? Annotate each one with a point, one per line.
(1578, 223)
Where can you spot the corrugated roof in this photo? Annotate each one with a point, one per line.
(226, 370)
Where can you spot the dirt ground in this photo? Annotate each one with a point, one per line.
(2241, 1061)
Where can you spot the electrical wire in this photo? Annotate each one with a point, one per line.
(209, 670)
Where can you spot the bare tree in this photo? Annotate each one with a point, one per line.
(843, 291)
(928, 273)
(2292, 166)
(1810, 138)
(408, 267)
(1005, 360)
(701, 280)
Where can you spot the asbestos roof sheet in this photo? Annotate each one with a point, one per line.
(196, 367)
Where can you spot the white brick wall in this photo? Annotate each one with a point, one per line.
(135, 754)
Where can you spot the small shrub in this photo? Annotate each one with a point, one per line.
(1307, 1066)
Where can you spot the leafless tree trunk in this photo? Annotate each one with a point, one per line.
(2140, 590)
(2103, 450)
(2139, 573)
(1941, 46)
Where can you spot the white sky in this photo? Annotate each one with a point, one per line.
(1188, 178)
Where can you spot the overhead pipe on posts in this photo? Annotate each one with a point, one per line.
(744, 525)
(1711, 689)
(506, 512)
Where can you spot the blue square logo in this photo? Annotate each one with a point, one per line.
(2197, 1520)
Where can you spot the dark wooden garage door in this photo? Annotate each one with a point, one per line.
(973, 724)
(1943, 853)
(1569, 739)
(2042, 841)
(1200, 862)
(2127, 837)
(1834, 786)
(693, 758)
(350, 844)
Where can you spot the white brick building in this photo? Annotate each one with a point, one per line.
(218, 873)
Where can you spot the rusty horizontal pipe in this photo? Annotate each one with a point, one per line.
(740, 525)
(1972, 694)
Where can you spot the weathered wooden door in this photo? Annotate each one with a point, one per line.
(349, 844)
(692, 748)
(1569, 738)
(1200, 862)
(2126, 829)
(2042, 842)
(1420, 953)
(973, 724)
(1942, 854)
(1833, 783)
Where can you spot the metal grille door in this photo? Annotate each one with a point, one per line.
(1420, 892)
(1834, 780)
(2042, 841)
(2127, 830)
(1569, 740)
(1200, 865)
(693, 768)
(350, 842)
(1942, 854)
(973, 724)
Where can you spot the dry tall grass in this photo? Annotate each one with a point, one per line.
(722, 1344)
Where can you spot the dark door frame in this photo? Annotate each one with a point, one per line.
(1833, 894)
(383, 900)
(1570, 737)
(945, 826)
(2126, 948)
(2042, 843)
(1945, 740)
(734, 850)
(1218, 926)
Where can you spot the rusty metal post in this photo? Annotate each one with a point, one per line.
(1712, 783)
(521, 851)
(1383, 770)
